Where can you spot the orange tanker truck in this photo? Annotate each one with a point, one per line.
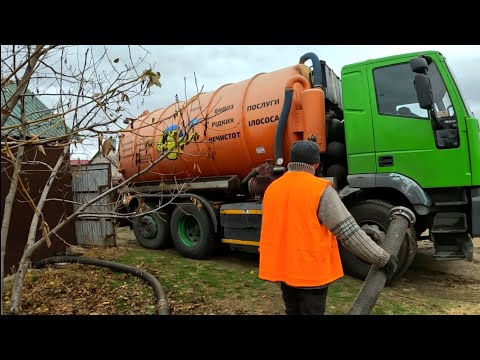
(223, 148)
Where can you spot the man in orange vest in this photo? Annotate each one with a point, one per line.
(303, 217)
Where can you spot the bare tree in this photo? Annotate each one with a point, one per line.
(89, 94)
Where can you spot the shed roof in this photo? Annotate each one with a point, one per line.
(35, 109)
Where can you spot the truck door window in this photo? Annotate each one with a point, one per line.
(412, 110)
(443, 105)
(396, 96)
(396, 93)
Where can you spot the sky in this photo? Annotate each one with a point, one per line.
(215, 65)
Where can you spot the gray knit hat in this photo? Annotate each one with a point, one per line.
(305, 151)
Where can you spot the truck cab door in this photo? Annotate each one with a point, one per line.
(407, 140)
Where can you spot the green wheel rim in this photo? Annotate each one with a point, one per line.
(189, 231)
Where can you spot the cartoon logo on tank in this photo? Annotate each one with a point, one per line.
(173, 139)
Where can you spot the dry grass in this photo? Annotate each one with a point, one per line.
(228, 285)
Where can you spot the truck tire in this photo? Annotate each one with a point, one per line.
(192, 231)
(152, 230)
(375, 213)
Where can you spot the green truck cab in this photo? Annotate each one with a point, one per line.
(412, 140)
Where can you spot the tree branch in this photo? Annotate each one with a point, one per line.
(19, 67)
(12, 102)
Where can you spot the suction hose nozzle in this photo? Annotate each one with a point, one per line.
(401, 219)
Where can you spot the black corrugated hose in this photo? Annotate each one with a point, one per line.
(162, 301)
(402, 219)
(317, 70)
(282, 123)
(251, 174)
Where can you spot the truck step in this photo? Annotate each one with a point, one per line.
(462, 252)
(450, 237)
(452, 197)
(443, 255)
(449, 223)
(452, 247)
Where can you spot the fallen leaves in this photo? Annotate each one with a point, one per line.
(192, 287)
(84, 290)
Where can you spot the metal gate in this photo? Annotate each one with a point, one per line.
(89, 181)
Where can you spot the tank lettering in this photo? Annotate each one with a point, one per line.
(195, 108)
(222, 122)
(223, 109)
(263, 104)
(216, 138)
(127, 151)
(264, 120)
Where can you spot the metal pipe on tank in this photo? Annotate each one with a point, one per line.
(297, 78)
(282, 122)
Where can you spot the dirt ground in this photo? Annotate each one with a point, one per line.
(454, 281)
(450, 280)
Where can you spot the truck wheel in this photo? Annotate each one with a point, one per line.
(192, 231)
(373, 217)
(152, 230)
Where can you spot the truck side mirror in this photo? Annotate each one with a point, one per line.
(419, 65)
(424, 91)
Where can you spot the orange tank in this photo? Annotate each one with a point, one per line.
(233, 132)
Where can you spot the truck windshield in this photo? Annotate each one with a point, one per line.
(464, 99)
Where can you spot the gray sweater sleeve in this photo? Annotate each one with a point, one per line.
(335, 216)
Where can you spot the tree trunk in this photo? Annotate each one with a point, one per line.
(7, 210)
(25, 261)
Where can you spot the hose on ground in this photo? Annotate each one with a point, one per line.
(162, 301)
(402, 219)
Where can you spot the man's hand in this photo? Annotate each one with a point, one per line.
(391, 266)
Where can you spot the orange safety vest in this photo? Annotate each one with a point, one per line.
(295, 247)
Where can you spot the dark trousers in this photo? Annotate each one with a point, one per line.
(304, 301)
